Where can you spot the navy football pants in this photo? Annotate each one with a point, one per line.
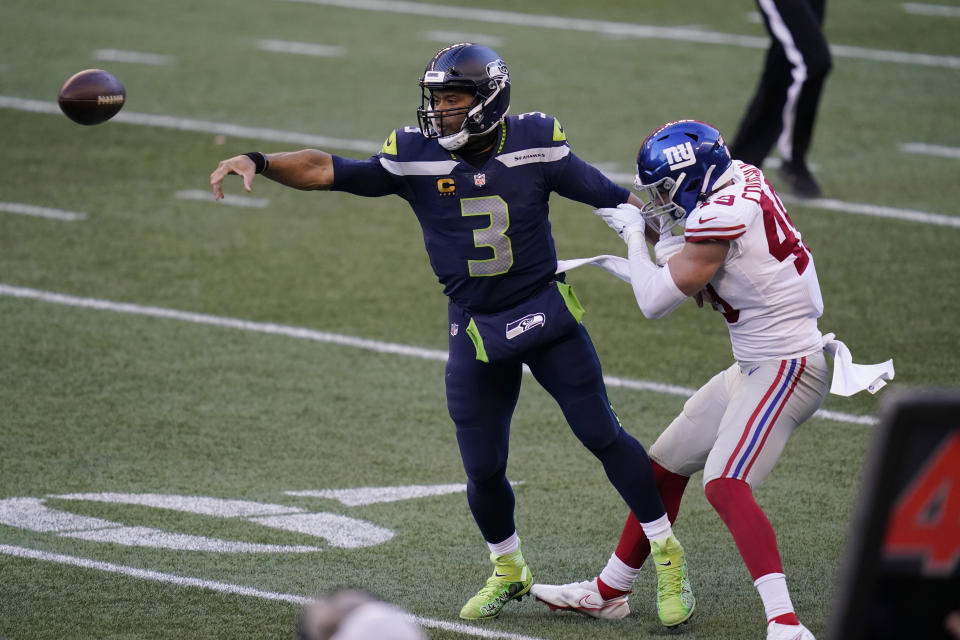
(481, 398)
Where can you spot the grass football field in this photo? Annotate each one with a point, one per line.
(193, 392)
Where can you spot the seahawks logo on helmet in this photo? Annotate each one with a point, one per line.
(498, 69)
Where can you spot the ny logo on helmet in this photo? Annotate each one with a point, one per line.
(680, 156)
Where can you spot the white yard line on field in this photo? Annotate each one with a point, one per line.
(205, 195)
(938, 10)
(306, 139)
(378, 495)
(622, 29)
(338, 339)
(876, 211)
(204, 126)
(301, 48)
(22, 209)
(133, 57)
(447, 37)
(840, 206)
(924, 149)
(225, 587)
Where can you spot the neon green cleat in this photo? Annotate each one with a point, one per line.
(511, 580)
(675, 601)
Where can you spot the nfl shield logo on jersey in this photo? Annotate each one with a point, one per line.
(454, 328)
(480, 179)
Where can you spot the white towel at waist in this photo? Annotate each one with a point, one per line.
(848, 377)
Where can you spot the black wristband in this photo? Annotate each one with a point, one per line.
(259, 159)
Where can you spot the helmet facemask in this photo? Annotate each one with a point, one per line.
(659, 209)
(432, 121)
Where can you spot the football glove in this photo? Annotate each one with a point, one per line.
(625, 219)
(668, 246)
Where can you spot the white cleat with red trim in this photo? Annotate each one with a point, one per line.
(582, 597)
(777, 631)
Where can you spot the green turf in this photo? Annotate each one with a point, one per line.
(96, 401)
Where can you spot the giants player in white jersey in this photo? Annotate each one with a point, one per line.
(741, 252)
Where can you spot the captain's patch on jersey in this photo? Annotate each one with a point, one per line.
(524, 324)
(446, 187)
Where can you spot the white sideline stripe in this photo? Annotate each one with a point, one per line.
(301, 48)
(224, 587)
(230, 323)
(273, 135)
(135, 57)
(333, 338)
(921, 148)
(901, 57)
(840, 206)
(876, 211)
(41, 212)
(228, 199)
(931, 10)
(548, 22)
(204, 126)
(681, 34)
(825, 414)
(644, 385)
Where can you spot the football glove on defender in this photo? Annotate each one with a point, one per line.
(668, 246)
(625, 219)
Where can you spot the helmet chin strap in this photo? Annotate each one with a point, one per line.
(455, 141)
(722, 181)
(706, 181)
(676, 184)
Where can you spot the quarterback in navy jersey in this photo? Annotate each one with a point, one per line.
(479, 183)
(504, 253)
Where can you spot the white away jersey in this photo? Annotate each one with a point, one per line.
(767, 288)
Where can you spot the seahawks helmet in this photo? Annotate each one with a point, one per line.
(473, 68)
(678, 166)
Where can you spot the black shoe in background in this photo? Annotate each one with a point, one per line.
(798, 180)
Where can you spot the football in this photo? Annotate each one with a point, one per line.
(91, 96)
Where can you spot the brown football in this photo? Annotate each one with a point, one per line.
(91, 96)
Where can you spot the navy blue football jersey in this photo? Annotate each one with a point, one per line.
(486, 229)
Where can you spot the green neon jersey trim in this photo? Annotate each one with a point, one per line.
(558, 133)
(390, 144)
(477, 340)
(573, 303)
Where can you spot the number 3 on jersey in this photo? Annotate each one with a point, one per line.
(493, 235)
